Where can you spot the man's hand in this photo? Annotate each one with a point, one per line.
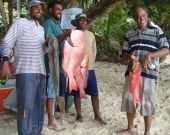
(132, 57)
(68, 32)
(146, 61)
(47, 38)
(5, 70)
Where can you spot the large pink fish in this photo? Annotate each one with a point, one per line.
(73, 56)
(134, 77)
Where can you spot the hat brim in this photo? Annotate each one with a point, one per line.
(74, 23)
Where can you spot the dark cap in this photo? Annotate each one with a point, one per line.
(78, 16)
(35, 3)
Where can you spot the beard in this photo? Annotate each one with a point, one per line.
(35, 16)
(57, 18)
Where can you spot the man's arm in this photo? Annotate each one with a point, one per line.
(128, 56)
(8, 42)
(64, 35)
(158, 54)
(162, 59)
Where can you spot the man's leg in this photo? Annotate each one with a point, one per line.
(77, 103)
(50, 103)
(95, 104)
(39, 101)
(50, 110)
(61, 104)
(25, 86)
(148, 121)
(61, 101)
(130, 118)
(129, 130)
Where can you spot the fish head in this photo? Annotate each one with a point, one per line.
(136, 67)
(51, 43)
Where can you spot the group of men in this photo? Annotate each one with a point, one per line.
(146, 43)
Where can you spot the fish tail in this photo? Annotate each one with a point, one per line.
(137, 101)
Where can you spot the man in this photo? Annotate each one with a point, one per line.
(52, 26)
(81, 22)
(146, 44)
(27, 37)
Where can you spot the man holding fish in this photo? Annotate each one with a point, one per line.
(52, 26)
(81, 22)
(145, 44)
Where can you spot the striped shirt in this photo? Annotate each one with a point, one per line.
(28, 40)
(141, 43)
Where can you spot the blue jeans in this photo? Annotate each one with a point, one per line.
(31, 96)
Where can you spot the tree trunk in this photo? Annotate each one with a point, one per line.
(73, 4)
(18, 8)
(65, 3)
(101, 9)
(10, 12)
(4, 18)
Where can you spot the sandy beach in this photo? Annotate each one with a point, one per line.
(110, 78)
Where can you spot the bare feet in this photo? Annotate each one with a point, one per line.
(55, 127)
(66, 118)
(79, 119)
(100, 121)
(125, 132)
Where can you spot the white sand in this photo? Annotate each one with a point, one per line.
(110, 78)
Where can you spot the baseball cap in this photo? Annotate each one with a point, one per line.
(35, 3)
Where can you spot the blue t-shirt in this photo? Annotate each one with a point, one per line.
(53, 27)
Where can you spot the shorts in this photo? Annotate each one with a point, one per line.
(147, 95)
(91, 89)
(50, 87)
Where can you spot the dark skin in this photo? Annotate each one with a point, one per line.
(35, 13)
(56, 13)
(141, 19)
(81, 25)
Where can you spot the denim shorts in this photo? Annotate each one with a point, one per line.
(50, 87)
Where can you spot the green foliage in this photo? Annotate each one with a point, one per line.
(107, 51)
(22, 13)
(5, 6)
(112, 28)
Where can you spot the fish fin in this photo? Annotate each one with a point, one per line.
(72, 84)
(83, 95)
